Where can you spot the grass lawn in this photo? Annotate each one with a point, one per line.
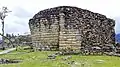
(1, 50)
(39, 59)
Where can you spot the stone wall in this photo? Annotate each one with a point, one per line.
(67, 26)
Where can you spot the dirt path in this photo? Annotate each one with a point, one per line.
(7, 51)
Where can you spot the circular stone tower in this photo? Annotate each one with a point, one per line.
(71, 27)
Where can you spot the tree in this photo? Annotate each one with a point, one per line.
(7, 39)
(3, 14)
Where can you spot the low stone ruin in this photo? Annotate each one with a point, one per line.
(9, 61)
(71, 27)
(53, 56)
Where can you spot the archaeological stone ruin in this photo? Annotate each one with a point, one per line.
(71, 27)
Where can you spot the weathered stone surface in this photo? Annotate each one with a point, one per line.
(8, 61)
(71, 27)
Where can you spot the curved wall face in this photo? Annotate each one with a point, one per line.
(67, 26)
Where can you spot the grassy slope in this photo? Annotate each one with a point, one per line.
(1, 50)
(38, 59)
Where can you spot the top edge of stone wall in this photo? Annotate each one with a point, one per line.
(55, 11)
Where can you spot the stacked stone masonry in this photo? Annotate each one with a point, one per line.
(67, 26)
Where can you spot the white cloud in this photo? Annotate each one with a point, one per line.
(23, 10)
(107, 7)
(117, 26)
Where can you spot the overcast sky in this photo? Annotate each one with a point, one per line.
(22, 10)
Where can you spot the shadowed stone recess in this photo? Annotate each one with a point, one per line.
(71, 27)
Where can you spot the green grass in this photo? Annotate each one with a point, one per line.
(1, 50)
(38, 59)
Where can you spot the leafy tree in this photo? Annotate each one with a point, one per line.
(3, 14)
